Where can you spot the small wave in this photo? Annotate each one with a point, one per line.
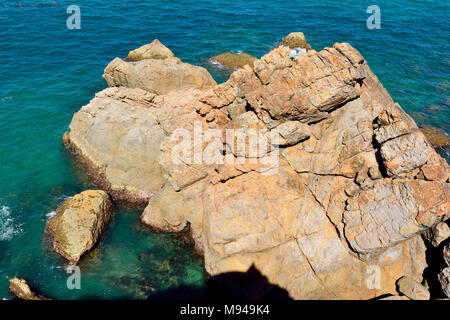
(51, 214)
(5, 99)
(8, 228)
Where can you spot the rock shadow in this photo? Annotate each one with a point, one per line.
(250, 285)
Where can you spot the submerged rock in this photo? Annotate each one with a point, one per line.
(20, 289)
(351, 184)
(157, 76)
(154, 50)
(78, 224)
(296, 40)
(438, 138)
(412, 289)
(234, 60)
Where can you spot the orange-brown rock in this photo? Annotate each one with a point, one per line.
(78, 224)
(333, 208)
(154, 68)
(20, 289)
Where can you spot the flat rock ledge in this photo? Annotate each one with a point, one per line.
(78, 224)
(336, 211)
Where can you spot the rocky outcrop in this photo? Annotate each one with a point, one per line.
(332, 204)
(20, 289)
(157, 71)
(78, 224)
(437, 138)
(234, 60)
(154, 50)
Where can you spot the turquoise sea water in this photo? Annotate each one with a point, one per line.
(48, 72)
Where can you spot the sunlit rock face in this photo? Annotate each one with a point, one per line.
(334, 210)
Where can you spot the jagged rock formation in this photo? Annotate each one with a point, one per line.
(332, 208)
(154, 68)
(78, 224)
(20, 289)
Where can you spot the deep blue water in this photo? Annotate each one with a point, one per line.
(48, 72)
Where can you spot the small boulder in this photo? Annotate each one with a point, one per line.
(154, 50)
(444, 279)
(437, 137)
(412, 289)
(79, 222)
(20, 289)
(437, 234)
(234, 60)
(296, 40)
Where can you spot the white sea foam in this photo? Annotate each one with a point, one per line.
(5, 99)
(296, 52)
(51, 214)
(8, 227)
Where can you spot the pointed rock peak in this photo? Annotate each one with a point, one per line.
(295, 40)
(154, 50)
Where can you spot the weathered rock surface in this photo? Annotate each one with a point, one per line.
(20, 289)
(437, 234)
(296, 40)
(342, 192)
(446, 253)
(234, 60)
(154, 50)
(78, 224)
(412, 289)
(444, 279)
(156, 72)
(437, 138)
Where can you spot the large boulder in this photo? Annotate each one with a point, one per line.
(20, 289)
(234, 60)
(78, 224)
(154, 50)
(155, 70)
(333, 204)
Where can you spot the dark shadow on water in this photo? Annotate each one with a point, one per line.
(250, 285)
